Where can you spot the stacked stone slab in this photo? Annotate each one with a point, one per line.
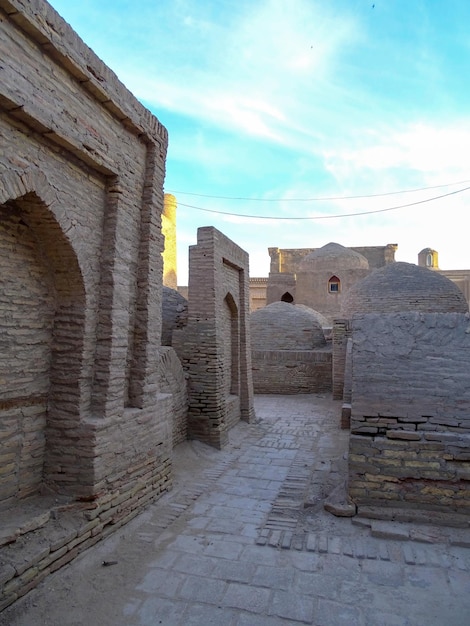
(289, 350)
(81, 196)
(215, 345)
(410, 397)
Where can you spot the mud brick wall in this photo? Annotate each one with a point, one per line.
(174, 314)
(172, 381)
(81, 196)
(410, 413)
(291, 371)
(312, 288)
(215, 345)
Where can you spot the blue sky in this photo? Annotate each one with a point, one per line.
(277, 106)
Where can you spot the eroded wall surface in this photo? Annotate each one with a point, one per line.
(410, 412)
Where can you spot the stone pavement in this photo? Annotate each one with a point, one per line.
(243, 540)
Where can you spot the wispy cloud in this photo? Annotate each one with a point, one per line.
(298, 99)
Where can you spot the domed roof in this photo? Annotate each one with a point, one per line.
(401, 287)
(284, 326)
(321, 319)
(333, 257)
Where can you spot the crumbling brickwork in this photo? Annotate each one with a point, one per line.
(214, 347)
(81, 196)
(410, 421)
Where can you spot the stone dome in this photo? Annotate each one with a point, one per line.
(284, 326)
(333, 257)
(174, 314)
(399, 287)
(321, 319)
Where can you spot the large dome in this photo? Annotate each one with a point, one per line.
(284, 326)
(401, 287)
(333, 257)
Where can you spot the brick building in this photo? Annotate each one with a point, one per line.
(91, 402)
(318, 277)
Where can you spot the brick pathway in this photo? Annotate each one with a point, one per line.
(243, 540)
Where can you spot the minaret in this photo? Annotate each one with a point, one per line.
(169, 233)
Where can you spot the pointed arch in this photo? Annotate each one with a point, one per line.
(287, 297)
(232, 346)
(42, 320)
(334, 285)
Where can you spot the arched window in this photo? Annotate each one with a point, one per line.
(429, 260)
(287, 297)
(334, 285)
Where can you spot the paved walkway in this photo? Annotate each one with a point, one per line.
(243, 540)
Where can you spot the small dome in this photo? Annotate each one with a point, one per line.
(284, 326)
(321, 319)
(401, 287)
(174, 314)
(333, 257)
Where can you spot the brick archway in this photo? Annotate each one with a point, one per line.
(42, 305)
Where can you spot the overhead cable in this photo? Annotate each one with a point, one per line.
(325, 217)
(317, 199)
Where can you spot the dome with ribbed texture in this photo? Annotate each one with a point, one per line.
(284, 326)
(401, 287)
(333, 257)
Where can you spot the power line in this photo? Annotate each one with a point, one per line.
(317, 199)
(326, 217)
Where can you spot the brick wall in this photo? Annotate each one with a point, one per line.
(291, 371)
(410, 413)
(174, 314)
(341, 332)
(172, 381)
(312, 289)
(215, 345)
(81, 196)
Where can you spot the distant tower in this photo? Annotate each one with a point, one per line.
(169, 232)
(428, 258)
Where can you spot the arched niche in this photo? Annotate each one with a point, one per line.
(232, 346)
(287, 297)
(42, 313)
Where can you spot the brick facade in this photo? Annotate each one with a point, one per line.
(410, 421)
(81, 196)
(215, 346)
